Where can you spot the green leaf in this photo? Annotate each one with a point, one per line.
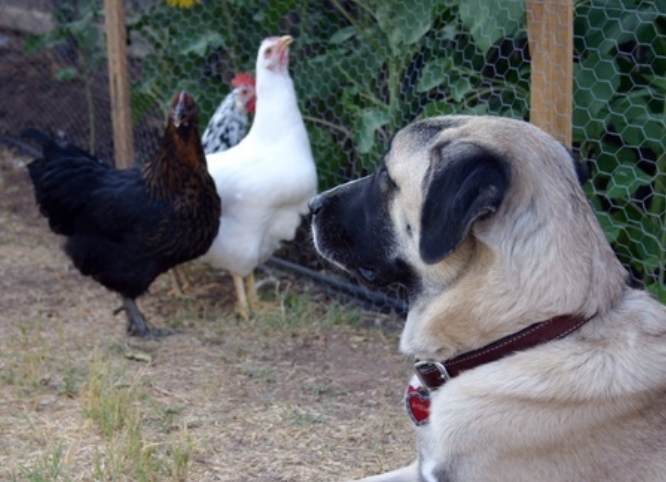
(405, 22)
(318, 77)
(478, 109)
(433, 74)
(658, 81)
(367, 162)
(142, 101)
(89, 40)
(34, 43)
(632, 119)
(490, 21)
(367, 123)
(274, 11)
(460, 87)
(611, 156)
(349, 99)
(595, 83)
(66, 74)
(361, 64)
(342, 35)
(448, 32)
(325, 75)
(513, 113)
(585, 126)
(626, 27)
(208, 93)
(610, 226)
(202, 44)
(436, 109)
(600, 25)
(654, 130)
(328, 156)
(658, 290)
(625, 180)
(646, 246)
(80, 26)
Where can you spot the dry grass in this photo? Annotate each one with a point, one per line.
(304, 391)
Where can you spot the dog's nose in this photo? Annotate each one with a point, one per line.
(315, 204)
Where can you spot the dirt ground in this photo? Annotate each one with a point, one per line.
(306, 390)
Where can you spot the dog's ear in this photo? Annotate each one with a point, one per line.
(466, 183)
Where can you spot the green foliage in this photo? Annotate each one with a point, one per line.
(78, 39)
(620, 123)
(77, 28)
(182, 46)
(489, 22)
(388, 63)
(362, 69)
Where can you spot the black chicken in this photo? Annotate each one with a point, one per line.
(125, 227)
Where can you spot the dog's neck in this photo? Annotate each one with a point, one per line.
(433, 373)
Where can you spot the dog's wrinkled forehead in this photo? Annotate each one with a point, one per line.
(411, 147)
(421, 135)
(424, 132)
(409, 152)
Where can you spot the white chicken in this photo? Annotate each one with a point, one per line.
(266, 181)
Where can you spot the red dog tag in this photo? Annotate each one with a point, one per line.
(417, 401)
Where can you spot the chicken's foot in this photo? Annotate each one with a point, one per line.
(136, 322)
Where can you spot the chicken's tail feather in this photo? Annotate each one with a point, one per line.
(52, 150)
(36, 135)
(63, 179)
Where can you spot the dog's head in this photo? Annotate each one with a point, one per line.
(483, 220)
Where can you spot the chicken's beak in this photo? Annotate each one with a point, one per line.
(283, 49)
(284, 42)
(179, 111)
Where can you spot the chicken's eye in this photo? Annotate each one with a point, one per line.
(268, 52)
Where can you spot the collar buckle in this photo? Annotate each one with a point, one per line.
(432, 374)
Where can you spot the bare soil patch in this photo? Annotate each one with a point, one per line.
(307, 390)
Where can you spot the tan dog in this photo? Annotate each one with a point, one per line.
(538, 362)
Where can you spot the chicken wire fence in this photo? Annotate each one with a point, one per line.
(362, 70)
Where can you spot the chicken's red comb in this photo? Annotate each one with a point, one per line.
(242, 78)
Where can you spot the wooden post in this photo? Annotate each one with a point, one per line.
(550, 33)
(123, 140)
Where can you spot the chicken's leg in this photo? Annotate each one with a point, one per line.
(178, 285)
(136, 322)
(251, 288)
(242, 307)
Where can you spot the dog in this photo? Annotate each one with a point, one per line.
(534, 358)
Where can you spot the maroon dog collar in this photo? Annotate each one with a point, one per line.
(434, 374)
